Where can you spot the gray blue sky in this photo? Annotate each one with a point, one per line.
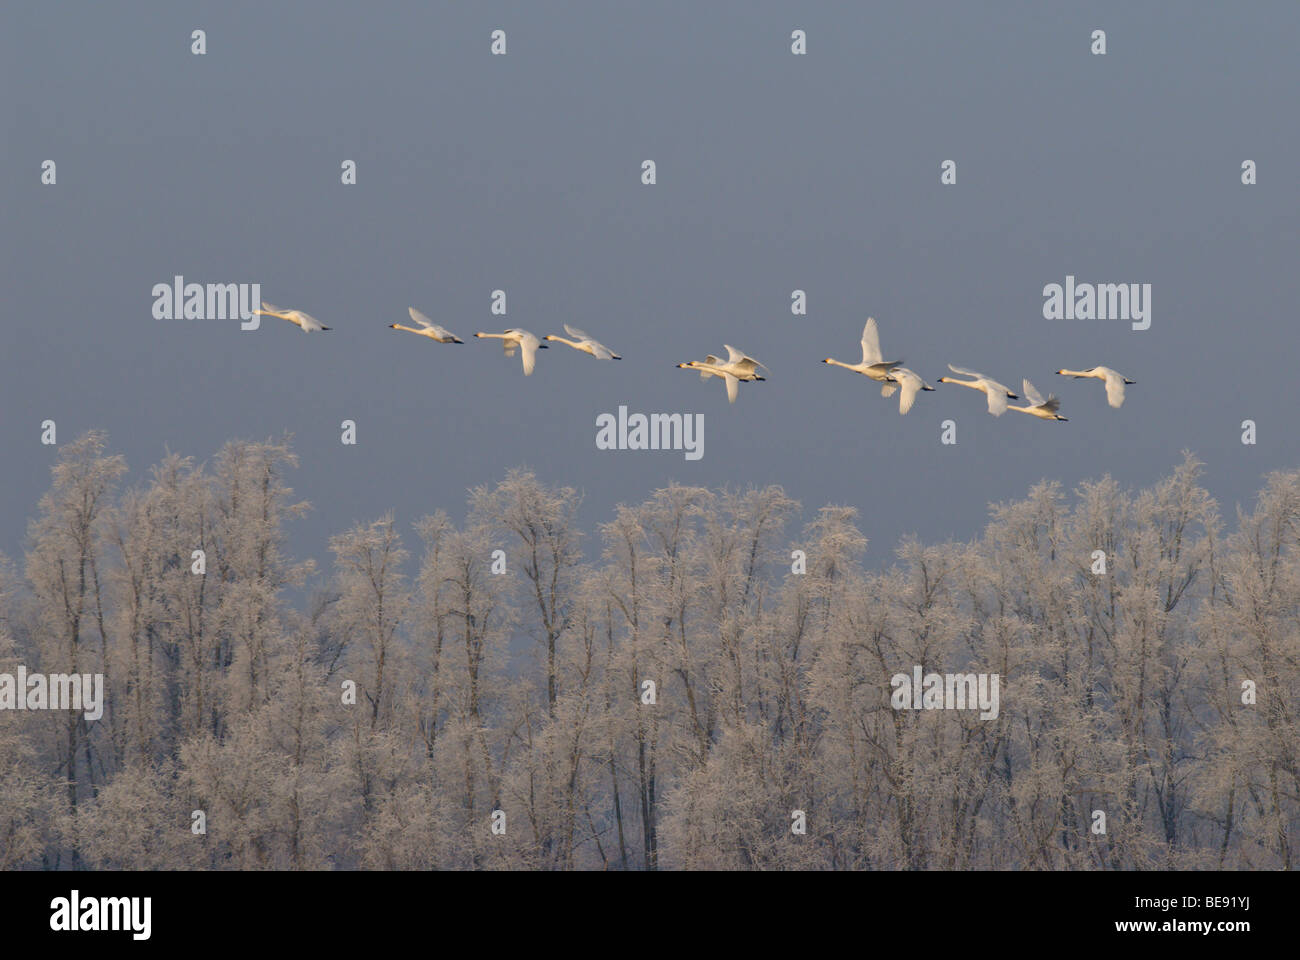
(775, 172)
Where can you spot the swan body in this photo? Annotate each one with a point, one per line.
(911, 384)
(586, 343)
(523, 341)
(427, 328)
(1038, 407)
(873, 364)
(1114, 382)
(996, 392)
(304, 321)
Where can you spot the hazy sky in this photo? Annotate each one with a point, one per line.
(775, 172)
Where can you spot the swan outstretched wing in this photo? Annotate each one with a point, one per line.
(1114, 388)
(911, 384)
(871, 343)
(1035, 398)
(966, 373)
(742, 359)
(528, 346)
(421, 319)
(997, 395)
(733, 387)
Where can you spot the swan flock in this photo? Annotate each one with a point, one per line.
(740, 368)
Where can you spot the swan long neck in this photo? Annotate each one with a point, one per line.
(840, 363)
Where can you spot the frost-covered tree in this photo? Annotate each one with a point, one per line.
(685, 696)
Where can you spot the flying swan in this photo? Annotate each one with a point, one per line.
(996, 392)
(738, 367)
(586, 343)
(873, 364)
(911, 384)
(305, 321)
(427, 328)
(1038, 407)
(517, 339)
(1114, 382)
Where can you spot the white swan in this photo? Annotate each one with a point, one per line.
(1038, 407)
(427, 328)
(586, 343)
(996, 392)
(911, 384)
(305, 321)
(1114, 382)
(737, 368)
(873, 365)
(517, 339)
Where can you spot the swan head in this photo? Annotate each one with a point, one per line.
(827, 360)
(550, 337)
